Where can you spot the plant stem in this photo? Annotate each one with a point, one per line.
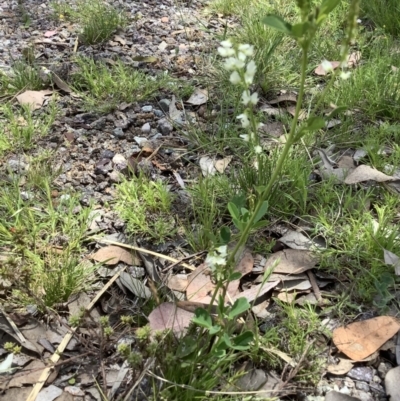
(278, 168)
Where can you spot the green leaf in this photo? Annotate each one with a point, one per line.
(239, 200)
(235, 276)
(315, 123)
(215, 329)
(239, 225)
(241, 305)
(327, 6)
(233, 210)
(225, 234)
(260, 189)
(186, 346)
(242, 341)
(262, 211)
(298, 30)
(335, 112)
(260, 224)
(278, 23)
(202, 318)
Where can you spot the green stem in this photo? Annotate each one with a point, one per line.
(278, 168)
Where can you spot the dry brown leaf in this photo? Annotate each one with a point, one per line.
(361, 339)
(302, 115)
(207, 166)
(60, 83)
(346, 162)
(256, 291)
(112, 254)
(295, 285)
(291, 261)
(287, 297)
(200, 287)
(353, 59)
(222, 164)
(344, 366)
(321, 71)
(169, 316)
(286, 98)
(366, 173)
(199, 97)
(178, 282)
(30, 375)
(392, 260)
(34, 99)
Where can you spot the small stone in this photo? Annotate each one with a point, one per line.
(164, 20)
(146, 128)
(119, 133)
(147, 109)
(17, 165)
(164, 105)
(26, 195)
(107, 154)
(115, 177)
(345, 390)
(103, 166)
(158, 113)
(362, 386)
(165, 126)
(362, 395)
(362, 373)
(64, 198)
(383, 368)
(140, 140)
(392, 383)
(120, 163)
(336, 396)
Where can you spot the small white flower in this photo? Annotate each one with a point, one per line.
(359, 21)
(244, 120)
(218, 257)
(225, 51)
(226, 43)
(249, 98)
(241, 56)
(257, 149)
(345, 75)
(235, 78)
(248, 50)
(232, 63)
(327, 66)
(245, 137)
(250, 72)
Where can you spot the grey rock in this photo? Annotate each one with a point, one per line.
(158, 113)
(103, 166)
(119, 133)
(362, 395)
(107, 154)
(165, 126)
(164, 105)
(120, 163)
(362, 386)
(140, 140)
(17, 165)
(26, 195)
(252, 380)
(146, 128)
(147, 109)
(115, 177)
(337, 396)
(362, 373)
(392, 384)
(383, 368)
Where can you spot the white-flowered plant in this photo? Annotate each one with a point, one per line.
(243, 69)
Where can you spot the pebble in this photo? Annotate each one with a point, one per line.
(119, 133)
(165, 126)
(362, 395)
(147, 109)
(337, 396)
(103, 166)
(158, 113)
(17, 165)
(383, 368)
(146, 128)
(362, 373)
(26, 195)
(107, 154)
(362, 386)
(392, 383)
(140, 140)
(164, 105)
